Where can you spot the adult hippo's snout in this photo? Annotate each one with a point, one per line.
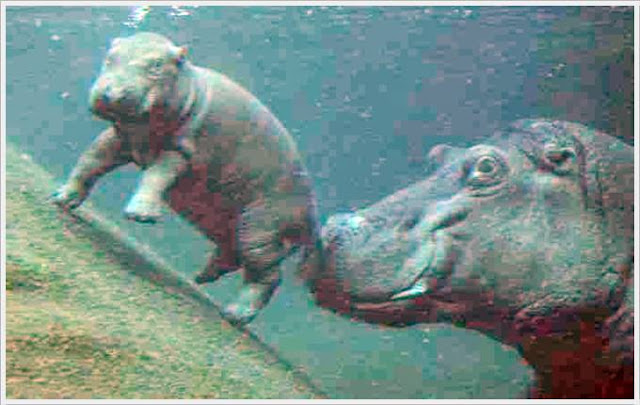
(527, 237)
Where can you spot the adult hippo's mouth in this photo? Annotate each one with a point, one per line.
(400, 272)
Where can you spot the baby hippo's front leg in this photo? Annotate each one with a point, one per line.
(102, 156)
(146, 203)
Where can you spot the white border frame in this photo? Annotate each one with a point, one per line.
(366, 3)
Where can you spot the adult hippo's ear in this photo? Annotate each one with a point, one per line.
(440, 154)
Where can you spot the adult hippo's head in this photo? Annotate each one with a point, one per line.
(527, 237)
(138, 73)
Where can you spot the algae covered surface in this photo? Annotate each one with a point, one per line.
(80, 324)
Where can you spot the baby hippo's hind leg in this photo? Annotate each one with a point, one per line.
(220, 263)
(220, 226)
(261, 252)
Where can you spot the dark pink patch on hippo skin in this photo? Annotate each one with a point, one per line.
(575, 365)
(99, 106)
(329, 292)
(580, 373)
(162, 130)
(191, 198)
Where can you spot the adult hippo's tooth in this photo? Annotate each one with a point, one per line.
(437, 251)
(418, 289)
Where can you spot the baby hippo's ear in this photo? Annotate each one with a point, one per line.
(181, 55)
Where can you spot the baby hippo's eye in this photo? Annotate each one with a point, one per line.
(109, 61)
(155, 67)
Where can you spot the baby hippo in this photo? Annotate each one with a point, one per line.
(213, 152)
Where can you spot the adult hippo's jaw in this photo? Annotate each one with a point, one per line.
(527, 237)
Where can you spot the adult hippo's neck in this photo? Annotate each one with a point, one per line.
(595, 358)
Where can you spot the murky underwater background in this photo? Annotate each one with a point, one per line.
(365, 92)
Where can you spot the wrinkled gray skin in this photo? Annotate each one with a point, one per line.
(527, 237)
(211, 150)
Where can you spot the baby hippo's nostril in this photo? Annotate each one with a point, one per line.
(106, 97)
(113, 94)
(109, 91)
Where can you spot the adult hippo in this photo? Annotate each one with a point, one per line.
(209, 148)
(527, 237)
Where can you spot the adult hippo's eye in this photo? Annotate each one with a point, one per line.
(486, 171)
(486, 165)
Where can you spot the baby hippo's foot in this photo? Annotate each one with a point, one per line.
(69, 196)
(212, 272)
(252, 298)
(143, 209)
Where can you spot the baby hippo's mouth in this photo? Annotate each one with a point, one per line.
(118, 111)
(121, 103)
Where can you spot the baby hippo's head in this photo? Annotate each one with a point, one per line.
(139, 72)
